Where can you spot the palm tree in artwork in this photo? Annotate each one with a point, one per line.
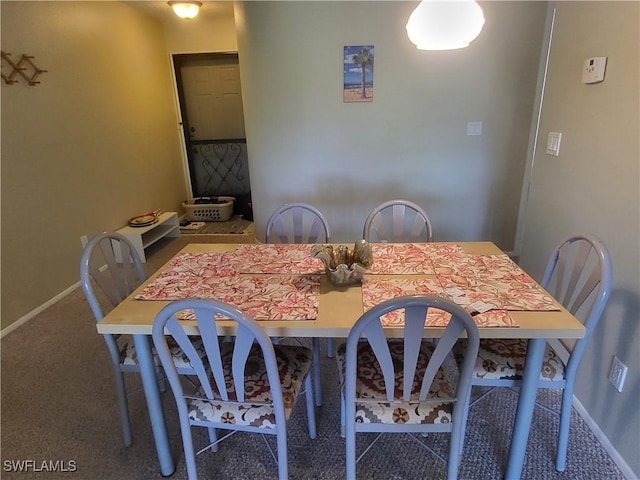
(363, 58)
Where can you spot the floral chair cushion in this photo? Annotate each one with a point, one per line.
(128, 355)
(503, 359)
(371, 401)
(293, 362)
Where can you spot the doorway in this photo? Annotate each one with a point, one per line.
(210, 98)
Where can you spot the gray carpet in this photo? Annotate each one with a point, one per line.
(58, 403)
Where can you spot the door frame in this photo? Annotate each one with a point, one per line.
(534, 131)
(177, 60)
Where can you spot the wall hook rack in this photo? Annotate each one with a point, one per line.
(20, 68)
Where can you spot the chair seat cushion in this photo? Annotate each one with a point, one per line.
(128, 355)
(371, 400)
(294, 362)
(503, 359)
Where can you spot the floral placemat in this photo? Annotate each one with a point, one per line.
(496, 279)
(399, 259)
(262, 298)
(409, 258)
(292, 259)
(375, 291)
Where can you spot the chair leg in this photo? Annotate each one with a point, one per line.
(283, 467)
(350, 450)
(162, 386)
(311, 409)
(330, 347)
(465, 416)
(213, 438)
(123, 406)
(187, 444)
(342, 415)
(563, 434)
(456, 442)
(317, 375)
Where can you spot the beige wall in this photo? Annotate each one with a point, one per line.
(93, 144)
(594, 186)
(305, 144)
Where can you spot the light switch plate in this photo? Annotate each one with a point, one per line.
(593, 69)
(553, 143)
(474, 129)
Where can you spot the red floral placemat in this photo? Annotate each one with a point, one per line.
(292, 259)
(375, 291)
(495, 279)
(262, 298)
(399, 259)
(214, 275)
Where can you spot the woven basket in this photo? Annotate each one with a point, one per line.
(209, 212)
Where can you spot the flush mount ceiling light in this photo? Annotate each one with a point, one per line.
(185, 9)
(445, 25)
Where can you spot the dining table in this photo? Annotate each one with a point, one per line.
(287, 291)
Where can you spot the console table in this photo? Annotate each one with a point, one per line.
(141, 237)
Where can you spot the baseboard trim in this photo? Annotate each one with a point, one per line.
(22, 320)
(604, 441)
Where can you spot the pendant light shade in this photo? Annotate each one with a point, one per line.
(445, 25)
(185, 9)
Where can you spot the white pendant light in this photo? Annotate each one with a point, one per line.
(185, 9)
(445, 25)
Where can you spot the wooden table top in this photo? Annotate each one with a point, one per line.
(339, 308)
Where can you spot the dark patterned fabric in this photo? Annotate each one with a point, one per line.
(128, 355)
(293, 364)
(371, 403)
(503, 359)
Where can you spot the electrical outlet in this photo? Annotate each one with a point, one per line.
(84, 240)
(618, 373)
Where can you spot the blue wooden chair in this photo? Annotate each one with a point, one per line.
(397, 221)
(107, 278)
(233, 393)
(408, 384)
(302, 223)
(297, 223)
(579, 275)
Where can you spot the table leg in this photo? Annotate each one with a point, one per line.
(526, 403)
(317, 376)
(154, 404)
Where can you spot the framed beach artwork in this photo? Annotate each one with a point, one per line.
(358, 74)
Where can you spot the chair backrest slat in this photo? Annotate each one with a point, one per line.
(185, 344)
(378, 342)
(279, 230)
(242, 347)
(297, 219)
(440, 354)
(397, 220)
(587, 289)
(415, 320)
(378, 227)
(209, 335)
(575, 261)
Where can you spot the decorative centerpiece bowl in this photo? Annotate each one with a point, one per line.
(342, 265)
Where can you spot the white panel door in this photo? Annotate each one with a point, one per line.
(213, 99)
